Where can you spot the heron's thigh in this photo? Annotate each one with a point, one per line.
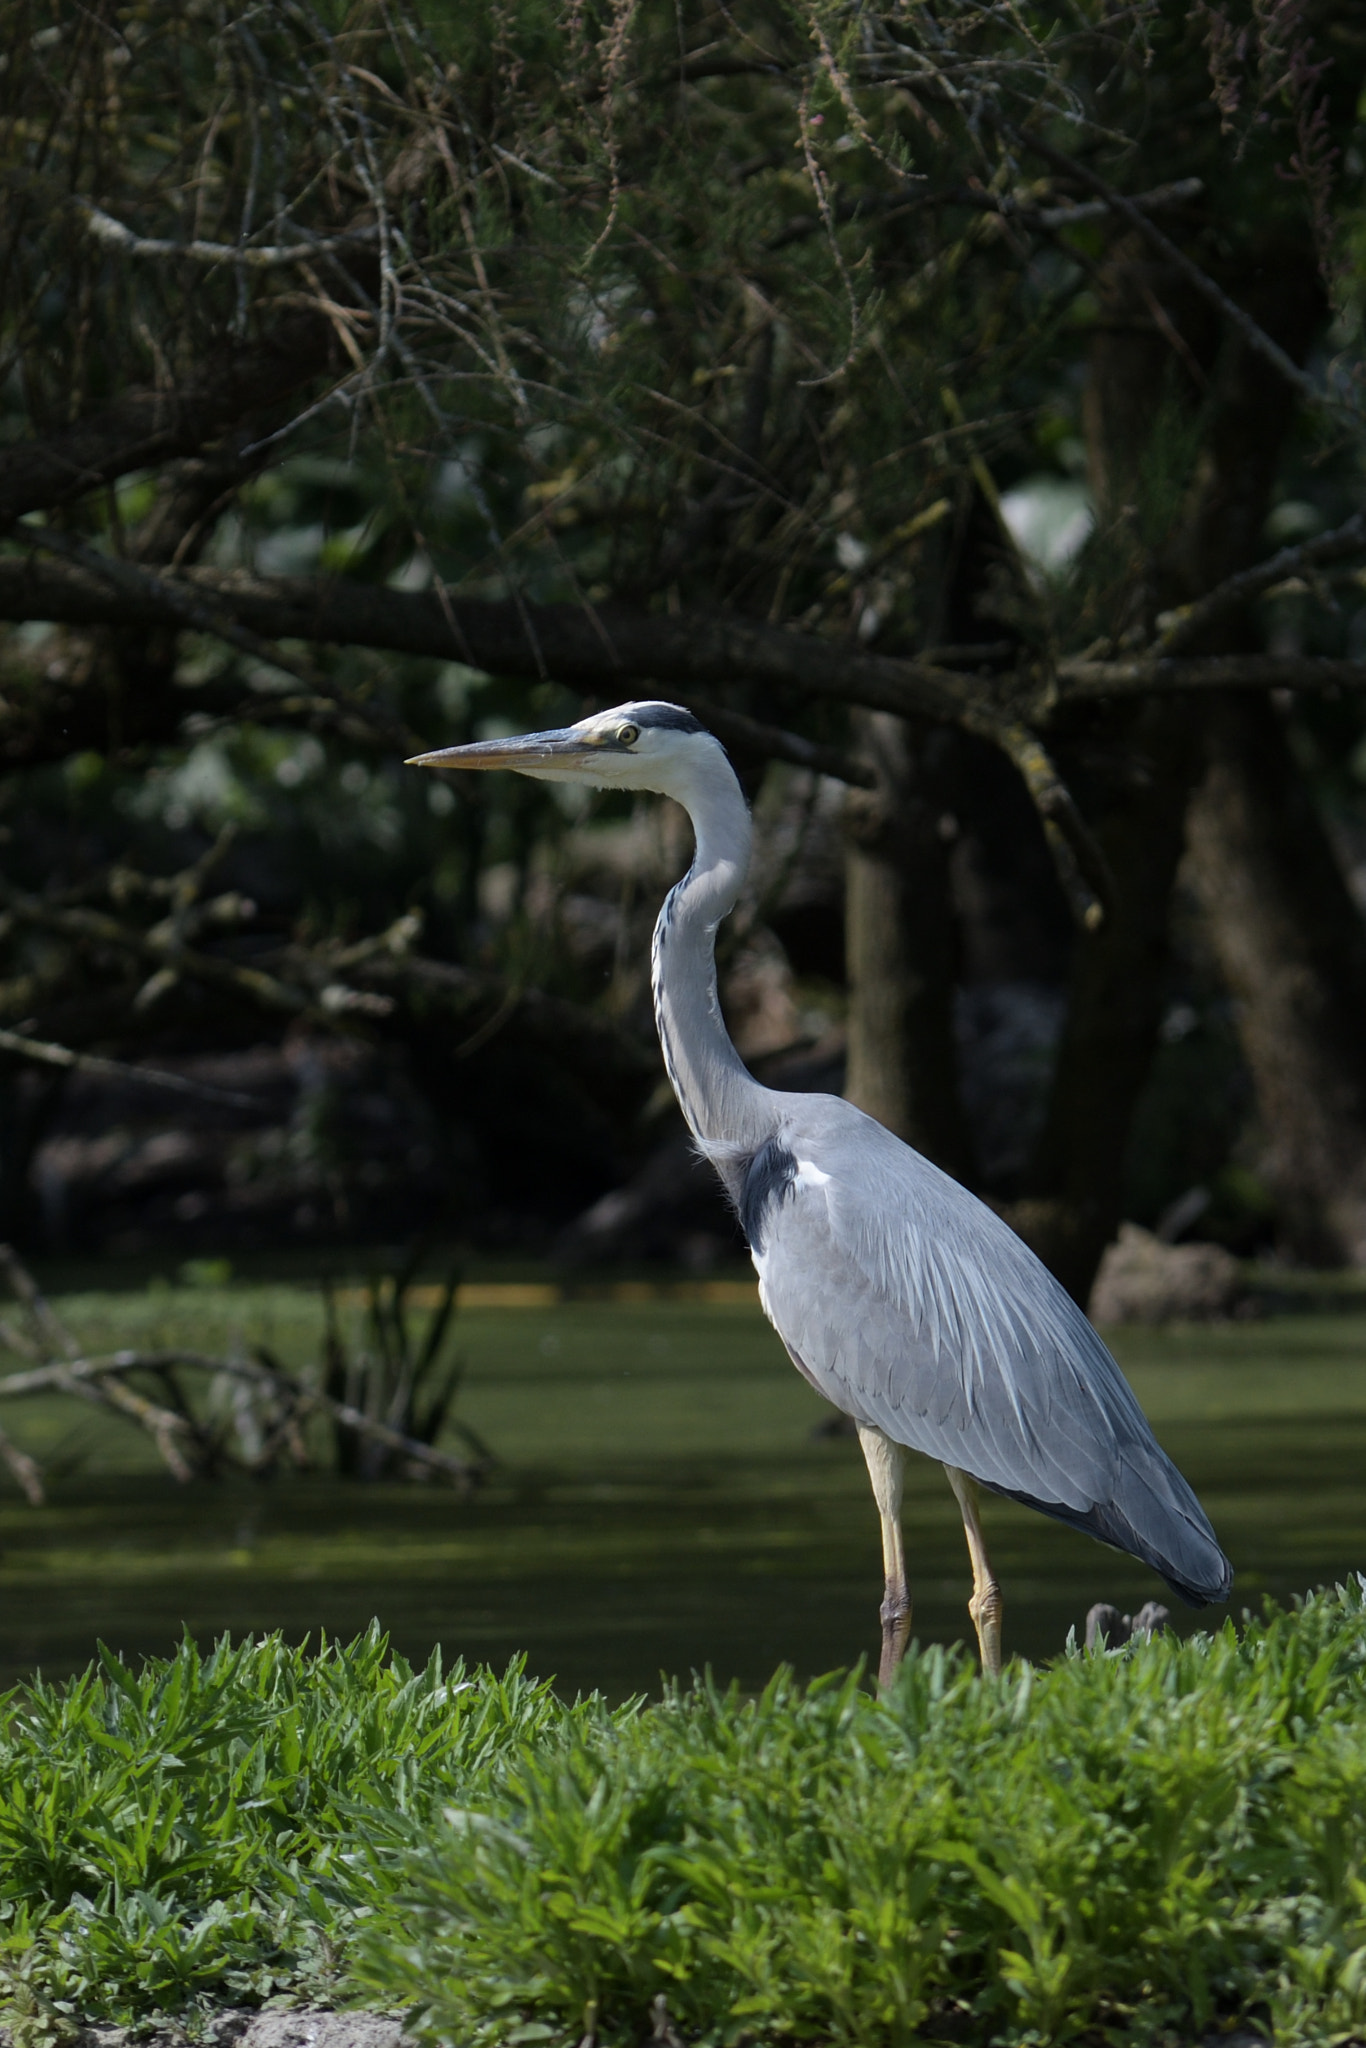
(886, 1462)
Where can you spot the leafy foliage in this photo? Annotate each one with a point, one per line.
(191, 1827)
(1152, 1837)
(1157, 1837)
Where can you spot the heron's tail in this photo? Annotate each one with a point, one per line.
(1155, 1517)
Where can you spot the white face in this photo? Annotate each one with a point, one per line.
(618, 749)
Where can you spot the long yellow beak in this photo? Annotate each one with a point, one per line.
(529, 750)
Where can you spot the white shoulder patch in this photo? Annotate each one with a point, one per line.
(809, 1175)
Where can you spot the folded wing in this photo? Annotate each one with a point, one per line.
(910, 1305)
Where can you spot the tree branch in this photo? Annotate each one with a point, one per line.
(627, 650)
(49, 1055)
(1256, 337)
(204, 615)
(144, 428)
(1078, 861)
(25, 1471)
(693, 651)
(1156, 675)
(1176, 629)
(92, 927)
(259, 256)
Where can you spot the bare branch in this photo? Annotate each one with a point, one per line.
(191, 608)
(1154, 675)
(609, 648)
(114, 235)
(1176, 629)
(103, 1373)
(1077, 860)
(164, 1427)
(49, 1055)
(48, 1326)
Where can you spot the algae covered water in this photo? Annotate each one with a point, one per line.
(661, 1502)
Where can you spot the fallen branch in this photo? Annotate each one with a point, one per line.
(101, 1380)
(27, 1475)
(163, 1425)
(103, 1373)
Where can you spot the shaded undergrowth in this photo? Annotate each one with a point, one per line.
(1117, 1847)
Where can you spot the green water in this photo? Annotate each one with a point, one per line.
(661, 1502)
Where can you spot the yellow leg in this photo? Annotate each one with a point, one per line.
(986, 1605)
(886, 1461)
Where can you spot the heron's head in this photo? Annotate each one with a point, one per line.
(637, 746)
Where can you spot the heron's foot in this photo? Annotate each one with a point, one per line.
(987, 1609)
(895, 1614)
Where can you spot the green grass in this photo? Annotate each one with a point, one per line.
(1125, 1847)
(661, 1505)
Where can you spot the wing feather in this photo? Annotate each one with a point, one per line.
(910, 1305)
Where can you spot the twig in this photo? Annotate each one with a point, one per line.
(163, 1425)
(1056, 218)
(49, 1055)
(1178, 628)
(114, 235)
(31, 1297)
(1080, 865)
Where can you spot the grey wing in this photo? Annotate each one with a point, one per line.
(910, 1305)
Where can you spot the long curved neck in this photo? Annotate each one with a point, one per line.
(719, 1097)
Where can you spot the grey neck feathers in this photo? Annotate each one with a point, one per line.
(723, 1103)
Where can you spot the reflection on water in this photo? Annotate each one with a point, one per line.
(664, 1507)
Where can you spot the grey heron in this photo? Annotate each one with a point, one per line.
(903, 1299)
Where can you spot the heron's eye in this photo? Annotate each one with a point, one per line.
(627, 735)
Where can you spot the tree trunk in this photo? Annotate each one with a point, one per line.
(1292, 949)
(1184, 428)
(900, 950)
(1116, 996)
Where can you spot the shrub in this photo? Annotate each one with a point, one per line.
(1157, 1838)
